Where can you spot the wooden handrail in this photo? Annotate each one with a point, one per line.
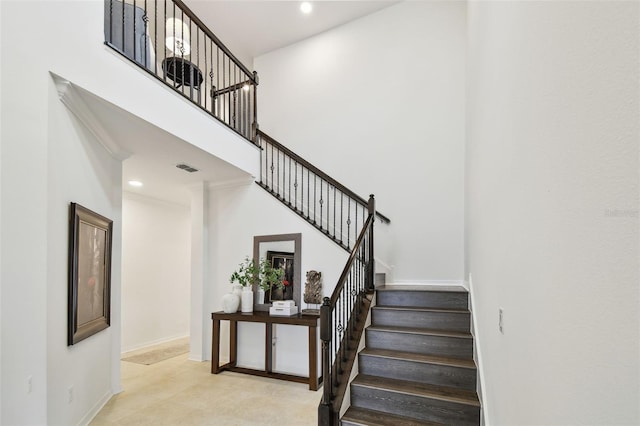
(320, 173)
(352, 257)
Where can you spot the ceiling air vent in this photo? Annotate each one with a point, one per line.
(186, 168)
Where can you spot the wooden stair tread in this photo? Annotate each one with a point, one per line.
(423, 331)
(459, 396)
(429, 288)
(365, 417)
(428, 359)
(421, 309)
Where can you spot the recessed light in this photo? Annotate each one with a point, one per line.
(135, 183)
(306, 7)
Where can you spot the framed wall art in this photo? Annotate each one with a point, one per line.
(284, 261)
(89, 310)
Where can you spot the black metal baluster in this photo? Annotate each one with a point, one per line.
(133, 34)
(341, 214)
(182, 43)
(335, 190)
(278, 173)
(295, 185)
(271, 185)
(242, 106)
(175, 72)
(289, 198)
(155, 35)
(229, 93)
(191, 70)
(308, 195)
(314, 197)
(217, 98)
(237, 98)
(353, 292)
(302, 189)
(223, 104)
(321, 204)
(344, 315)
(284, 178)
(111, 21)
(245, 121)
(328, 208)
(349, 222)
(123, 29)
(145, 18)
(264, 142)
(205, 93)
(356, 225)
(164, 48)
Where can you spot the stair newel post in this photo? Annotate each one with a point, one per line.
(325, 410)
(370, 284)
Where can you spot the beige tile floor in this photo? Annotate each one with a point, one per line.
(182, 392)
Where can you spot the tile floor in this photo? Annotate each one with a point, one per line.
(182, 392)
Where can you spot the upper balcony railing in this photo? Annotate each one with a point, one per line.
(167, 40)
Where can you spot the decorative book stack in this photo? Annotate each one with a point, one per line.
(283, 308)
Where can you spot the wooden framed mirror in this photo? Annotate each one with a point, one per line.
(283, 245)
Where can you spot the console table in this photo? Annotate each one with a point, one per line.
(310, 321)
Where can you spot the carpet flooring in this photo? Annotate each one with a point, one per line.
(155, 355)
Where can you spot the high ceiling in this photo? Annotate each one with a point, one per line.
(252, 28)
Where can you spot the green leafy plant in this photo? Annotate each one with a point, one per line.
(270, 276)
(246, 273)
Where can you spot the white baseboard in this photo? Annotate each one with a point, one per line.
(477, 356)
(127, 351)
(195, 357)
(95, 409)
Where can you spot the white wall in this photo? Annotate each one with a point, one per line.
(78, 170)
(66, 38)
(378, 103)
(156, 273)
(237, 214)
(552, 193)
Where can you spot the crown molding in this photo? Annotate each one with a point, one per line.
(71, 97)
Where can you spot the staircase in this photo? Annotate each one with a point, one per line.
(417, 367)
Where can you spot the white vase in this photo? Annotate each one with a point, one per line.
(260, 296)
(247, 300)
(237, 290)
(230, 303)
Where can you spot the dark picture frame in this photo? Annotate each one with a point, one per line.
(90, 239)
(285, 261)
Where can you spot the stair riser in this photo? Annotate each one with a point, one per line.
(420, 344)
(423, 299)
(421, 372)
(452, 321)
(418, 407)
